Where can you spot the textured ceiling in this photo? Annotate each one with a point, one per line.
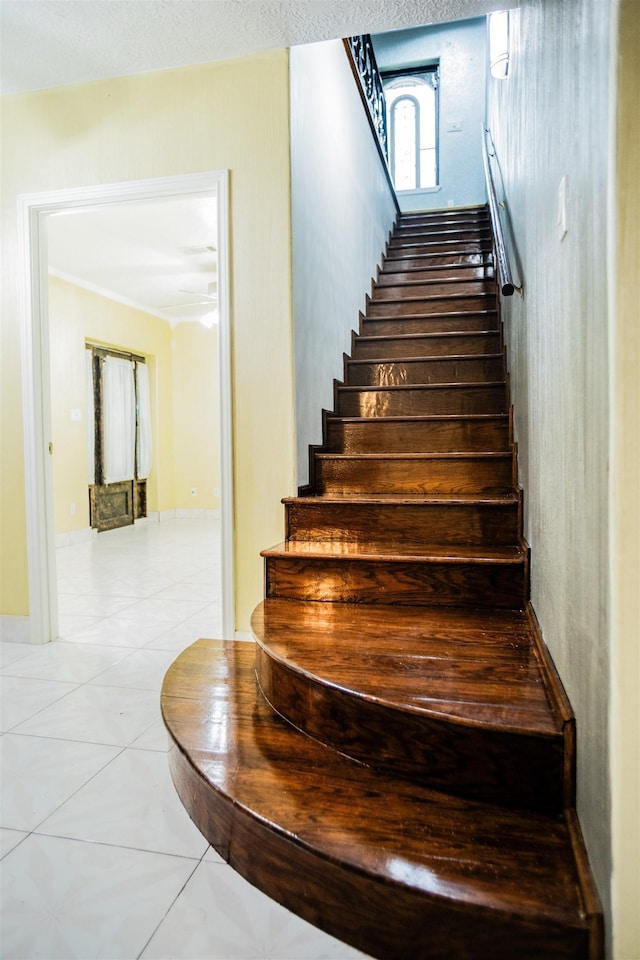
(48, 43)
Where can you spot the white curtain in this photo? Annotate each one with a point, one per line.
(144, 451)
(119, 400)
(91, 421)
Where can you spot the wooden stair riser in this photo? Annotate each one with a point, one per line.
(460, 236)
(469, 214)
(373, 580)
(420, 249)
(461, 474)
(495, 766)
(426, 306)
(476, 522)
(431, 287)
(434, 345)
(447, 231)
(452, 322)
(420, 401)
(419, 370)
(419, 435)
(435, 273)
(401, 263)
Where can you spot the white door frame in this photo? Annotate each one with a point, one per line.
(33, 210)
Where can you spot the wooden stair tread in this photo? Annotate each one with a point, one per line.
(397, 551)
(430, 317)
(400, 861)
(393, 457)
(434, 358)
(406, 498)
(417, 418)
(476, 666)
(427, 337)
(456, 385)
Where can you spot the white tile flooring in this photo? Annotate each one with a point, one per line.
(99, 858)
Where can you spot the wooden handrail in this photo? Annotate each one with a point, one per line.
(507, 286)
(362, 61)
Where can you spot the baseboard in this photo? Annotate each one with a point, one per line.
(15, 629)
(72, 537)
(183, 513)
(244, 635)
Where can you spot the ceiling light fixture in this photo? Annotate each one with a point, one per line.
(499, 44)
(209, 319)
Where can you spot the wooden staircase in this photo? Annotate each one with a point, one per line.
(394, 759)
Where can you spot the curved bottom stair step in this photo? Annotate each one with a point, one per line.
(396, 870)
(461, 700)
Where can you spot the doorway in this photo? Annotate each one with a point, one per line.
(35, 212)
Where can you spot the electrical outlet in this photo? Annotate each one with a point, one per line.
(216, 491)
(72, 509)
(194, 491)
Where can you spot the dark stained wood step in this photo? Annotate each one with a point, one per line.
(438, 322)
(459, 700)
(440, 233)
(472, 473)
(453, 398)
(419, 249)
(433, 304)
(435, 272)
(428, 261)
(445, 434)
(470, 519)
(403, 226)
(422, 370)
(426, 345)
(453, 222)
(380, 573)
(455, 214)
(414, 289)
(395, 869)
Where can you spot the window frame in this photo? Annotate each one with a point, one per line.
(420, 72)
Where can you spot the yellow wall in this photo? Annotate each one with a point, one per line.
(230, 115)
(625, 504)
(75, 315)
(196, 416)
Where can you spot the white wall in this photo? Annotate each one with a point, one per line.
(460, 49)
(342, 212)
(550, 119)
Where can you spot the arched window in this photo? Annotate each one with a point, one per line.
(412, 122)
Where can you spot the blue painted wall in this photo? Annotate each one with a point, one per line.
(460, 49)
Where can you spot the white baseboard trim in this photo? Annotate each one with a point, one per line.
(185, 513)
(72, 537)
(244, 635)
(15, 629)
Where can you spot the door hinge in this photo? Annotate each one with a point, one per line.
(50, 446)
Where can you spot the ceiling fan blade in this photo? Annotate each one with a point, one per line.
(192, 303)
(206, 297)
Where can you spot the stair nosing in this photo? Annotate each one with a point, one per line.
(419, 499)
(438, 417)
(428, 386)
(449, 557)
(443, 315)
(440, 358)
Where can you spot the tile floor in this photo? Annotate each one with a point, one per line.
(99, 858)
